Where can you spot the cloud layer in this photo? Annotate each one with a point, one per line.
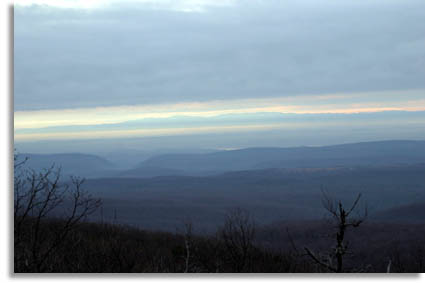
(109, 69)
(313, 104)
(304, 112)
(124, 54)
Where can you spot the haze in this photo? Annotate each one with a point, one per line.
(94, 75)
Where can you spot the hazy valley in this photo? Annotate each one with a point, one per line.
(273, 184)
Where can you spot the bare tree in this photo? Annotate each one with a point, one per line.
(343, 220)
(39, 196)
(188, 244)
(238, 235)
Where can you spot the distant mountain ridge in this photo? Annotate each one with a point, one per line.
(85, 165)
(390, 176)
(356, 154)
(381, 153)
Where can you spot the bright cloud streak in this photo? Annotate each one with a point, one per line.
(189, 130)
(338, 104)
(140, 132)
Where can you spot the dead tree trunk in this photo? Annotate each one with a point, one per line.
(343, 221)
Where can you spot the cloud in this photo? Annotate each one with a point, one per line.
(218, 70)
(332, 103)
(229, 124)
(176, 5)
(135, 54)
(221, 116)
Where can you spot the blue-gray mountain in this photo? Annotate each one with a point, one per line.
(84, 165)
(358, 154)
(201, 164)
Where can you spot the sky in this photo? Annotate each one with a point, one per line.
(216, 74)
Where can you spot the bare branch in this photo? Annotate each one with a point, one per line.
(354, 204)
(311, 254)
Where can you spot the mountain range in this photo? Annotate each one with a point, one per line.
(201, 164)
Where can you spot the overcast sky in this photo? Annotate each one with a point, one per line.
(88, 69)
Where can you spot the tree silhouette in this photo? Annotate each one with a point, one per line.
(39, 196)
(343, 220)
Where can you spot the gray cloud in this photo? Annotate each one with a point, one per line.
(132, 54)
